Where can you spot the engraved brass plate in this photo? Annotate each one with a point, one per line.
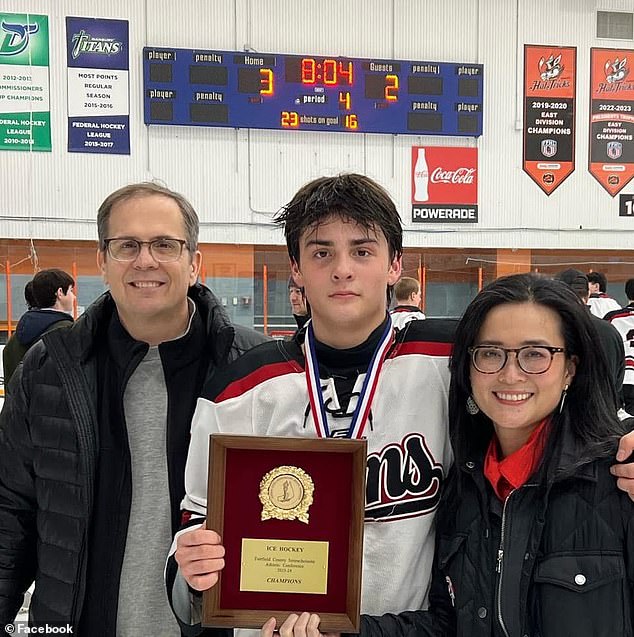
(284, 566)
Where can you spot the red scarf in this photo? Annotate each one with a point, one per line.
(513, 471)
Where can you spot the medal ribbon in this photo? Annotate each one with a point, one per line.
(362, 410)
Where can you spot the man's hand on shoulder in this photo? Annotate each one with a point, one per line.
(200, 557)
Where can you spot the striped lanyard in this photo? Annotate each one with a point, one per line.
(362, 410)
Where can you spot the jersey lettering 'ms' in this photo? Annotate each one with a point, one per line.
(402, 481)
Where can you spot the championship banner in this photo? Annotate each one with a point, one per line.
(25, 117)
(550, 78)
(444, 184)
(98, 86)
(611, 160)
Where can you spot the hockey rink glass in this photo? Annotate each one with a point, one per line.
(532, 359)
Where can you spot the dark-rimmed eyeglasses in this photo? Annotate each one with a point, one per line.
(162, 250)
(532, 359)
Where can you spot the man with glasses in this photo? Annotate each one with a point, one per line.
(95, 428)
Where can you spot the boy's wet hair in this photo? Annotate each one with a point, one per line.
(350, 196)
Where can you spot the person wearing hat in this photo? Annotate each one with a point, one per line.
(610, 342)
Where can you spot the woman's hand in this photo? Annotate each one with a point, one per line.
(304, 625)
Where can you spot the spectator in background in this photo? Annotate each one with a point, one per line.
(623, 320)
(600, 303)
(299, 306)
(50, 298)
(95, 427)
(610, 344)
(408, 297)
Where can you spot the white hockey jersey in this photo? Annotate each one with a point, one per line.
(623, 320)
(264, 393)
(403, 314)
(600, 304)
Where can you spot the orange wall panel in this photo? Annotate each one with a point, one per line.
(228, 260)
(512, 262)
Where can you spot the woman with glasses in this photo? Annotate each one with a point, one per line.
(533, 536)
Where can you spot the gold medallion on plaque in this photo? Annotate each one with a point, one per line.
(286, 493)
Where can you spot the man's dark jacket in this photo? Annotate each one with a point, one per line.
(566, 566)
(50, 452)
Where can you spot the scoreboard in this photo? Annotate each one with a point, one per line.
(191, 87)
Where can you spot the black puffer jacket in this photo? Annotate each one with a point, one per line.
(556, 560)
(49, 450)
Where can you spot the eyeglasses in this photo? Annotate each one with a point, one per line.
(532, 359)
(162, 250)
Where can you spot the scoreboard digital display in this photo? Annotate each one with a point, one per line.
(191, 87)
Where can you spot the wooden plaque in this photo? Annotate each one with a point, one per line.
(290, 513)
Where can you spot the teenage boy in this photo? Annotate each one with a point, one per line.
(344, 239)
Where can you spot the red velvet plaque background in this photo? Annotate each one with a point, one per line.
(329, 521)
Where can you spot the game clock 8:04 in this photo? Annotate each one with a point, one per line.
(302, 92)
(316, 71)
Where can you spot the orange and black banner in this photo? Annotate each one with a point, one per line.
(611, 154)
(550, 85)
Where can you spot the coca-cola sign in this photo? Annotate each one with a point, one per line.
(444, 184)
(458, 176)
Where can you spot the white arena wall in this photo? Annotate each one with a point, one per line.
(237, 179)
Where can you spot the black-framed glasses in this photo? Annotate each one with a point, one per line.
(162, 250)
(532, 359)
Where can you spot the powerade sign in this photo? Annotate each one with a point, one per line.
(438, 214)
(444, 184)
